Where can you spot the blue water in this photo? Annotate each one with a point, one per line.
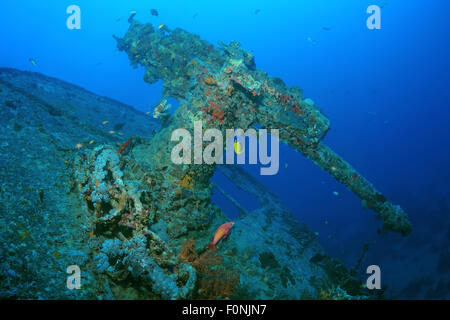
(384, 91)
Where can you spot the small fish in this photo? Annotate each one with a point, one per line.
(161, 26)
(79, 145)
(195, 15)
(132, 14)
(333, 168)
(257, 11)
(326, 222)
(326, 28)
(336, 193)
(312, 41)
(384, 5)
(148, 112)
(33, 62)
(238, 148)
(221, 233)
(91, 142)
(105, 122)
(330, 236)
(112, 132)
(118, 20)
(161, 108)
(121, 133)
(286, 166)
(154, 12)
(125, 145)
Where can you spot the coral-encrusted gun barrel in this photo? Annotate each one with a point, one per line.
(393, 217)
(303, 127)
(199, 74)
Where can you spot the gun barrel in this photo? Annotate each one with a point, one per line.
(392, 216)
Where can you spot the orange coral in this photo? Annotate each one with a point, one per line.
(187, 182)
(230, 90)
(187, 252)
(209, 80)
(229, 69)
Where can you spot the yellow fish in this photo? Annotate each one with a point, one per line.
(238, 148)
(79, 146)
(161, 26)
(112, 132)
(33, 62)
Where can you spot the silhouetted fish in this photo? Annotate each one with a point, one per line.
(154, 12)
(132, 14)
(257, 11)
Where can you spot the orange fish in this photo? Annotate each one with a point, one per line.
(221, 233)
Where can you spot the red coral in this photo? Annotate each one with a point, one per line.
(289, 101)
(213, 113)
(214, 279)
(285, 99)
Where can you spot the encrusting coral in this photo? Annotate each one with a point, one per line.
(127, 247)
(133, 258)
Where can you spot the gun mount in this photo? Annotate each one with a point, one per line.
(222, 87)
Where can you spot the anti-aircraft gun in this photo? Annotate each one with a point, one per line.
(222, 87)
